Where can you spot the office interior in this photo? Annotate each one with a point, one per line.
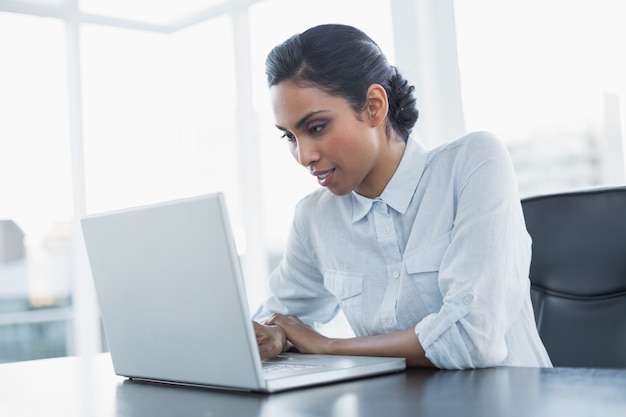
(112, 104)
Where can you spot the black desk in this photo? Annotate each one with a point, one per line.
(87, 387)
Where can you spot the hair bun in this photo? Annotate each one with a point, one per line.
(403, 111)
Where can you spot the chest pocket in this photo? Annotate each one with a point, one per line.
(347, 288)
(422, 265)
(427, 257)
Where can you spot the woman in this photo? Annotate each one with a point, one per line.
(426, 252)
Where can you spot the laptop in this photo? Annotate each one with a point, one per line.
(173, 304)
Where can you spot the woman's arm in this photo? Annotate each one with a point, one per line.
(403, 344)
(483, 274)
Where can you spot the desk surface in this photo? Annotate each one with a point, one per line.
(88, 387)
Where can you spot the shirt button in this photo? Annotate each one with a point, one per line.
(389, 322)
(386, 229)
(396, 274)
(467, 300)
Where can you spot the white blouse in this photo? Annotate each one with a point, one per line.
(444, 250)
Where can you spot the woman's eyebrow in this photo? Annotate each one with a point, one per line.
(304, 119)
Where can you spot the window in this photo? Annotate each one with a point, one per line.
(547, 77)
(158, 123)
(158, 115)
(35, 190)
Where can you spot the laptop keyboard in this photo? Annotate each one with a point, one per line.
(277, 367)
(284, 363)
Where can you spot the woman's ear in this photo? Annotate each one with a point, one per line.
(377, 105)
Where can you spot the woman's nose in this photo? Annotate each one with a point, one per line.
(306, 152)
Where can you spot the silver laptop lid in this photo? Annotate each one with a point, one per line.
(171, 293)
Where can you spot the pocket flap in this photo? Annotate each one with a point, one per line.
(427, 257)
(343, 284)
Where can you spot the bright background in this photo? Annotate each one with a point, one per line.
(110, 104)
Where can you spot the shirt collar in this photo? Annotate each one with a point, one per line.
(400, 189)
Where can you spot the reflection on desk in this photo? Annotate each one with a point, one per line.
(88, 387)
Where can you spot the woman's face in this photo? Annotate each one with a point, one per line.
(343, 149)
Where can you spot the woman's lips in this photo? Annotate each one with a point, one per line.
(324, 178)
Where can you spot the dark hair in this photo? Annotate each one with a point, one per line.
(343, 61)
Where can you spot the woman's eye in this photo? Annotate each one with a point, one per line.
(289, 136)
(317, 128)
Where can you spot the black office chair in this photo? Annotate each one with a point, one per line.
(578, 275)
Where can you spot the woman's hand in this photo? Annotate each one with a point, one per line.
(303, 338)
(402, 344)
(271, 339)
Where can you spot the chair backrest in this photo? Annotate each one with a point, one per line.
(578, 275)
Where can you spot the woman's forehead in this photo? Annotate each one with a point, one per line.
(291, 101)
(288, 96)
(291, 91)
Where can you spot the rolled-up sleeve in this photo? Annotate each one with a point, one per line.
(483, 276)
